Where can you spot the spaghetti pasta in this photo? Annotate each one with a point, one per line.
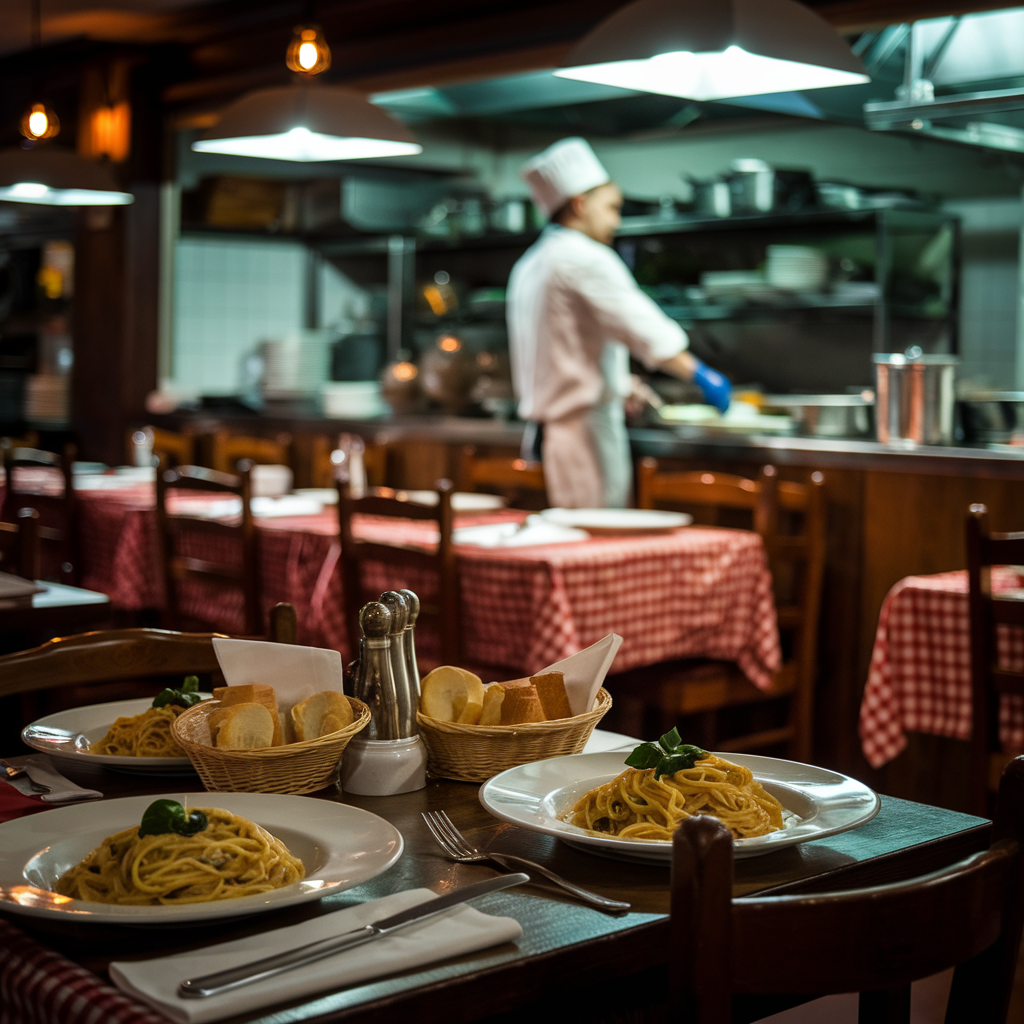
(636, 805)
(230, 858)
(145, 735)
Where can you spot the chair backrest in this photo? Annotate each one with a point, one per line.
(30, 439)
(443, 608)
(118, 655)
(240, 567)
(989, 680)
(875, 941)
(229, 449)
(520, 482)
(168, 447)
(790, 518)
(58, 528)
(328, 454)
(19, 545)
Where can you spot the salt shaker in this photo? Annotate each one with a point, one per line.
(407, 697)
(409, 642)
(382, 760)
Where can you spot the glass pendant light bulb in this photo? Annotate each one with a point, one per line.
(308, 52)
(39, 123)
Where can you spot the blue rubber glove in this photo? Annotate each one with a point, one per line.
(716, 389)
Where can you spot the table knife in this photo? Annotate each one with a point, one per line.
(235, 977)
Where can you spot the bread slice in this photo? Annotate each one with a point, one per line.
(471, 713)
(553, 698)
(325, 712)
(246, 726)
(521, 704)
(253, 693)
(494, 697)
(447, 691)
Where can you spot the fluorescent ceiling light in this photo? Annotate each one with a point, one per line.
(713, 51)
(307, 123)
(48, 176)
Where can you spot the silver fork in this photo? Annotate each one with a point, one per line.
(15, 772)
(460, 849)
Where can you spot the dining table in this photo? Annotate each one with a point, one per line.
(919, 680)
(688, 592)
(570, 958)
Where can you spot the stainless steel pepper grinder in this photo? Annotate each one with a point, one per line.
(409, 642)
(383, 759)
(407, 696)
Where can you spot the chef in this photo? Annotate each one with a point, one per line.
(575, 314)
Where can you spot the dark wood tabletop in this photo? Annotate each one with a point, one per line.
(565, 944)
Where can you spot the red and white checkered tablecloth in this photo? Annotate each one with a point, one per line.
(690, 593)
(920, 675)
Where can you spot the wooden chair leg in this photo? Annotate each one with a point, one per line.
(886, 1006)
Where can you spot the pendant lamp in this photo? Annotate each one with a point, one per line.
(305, 122)
(57, 177)
(714, 49)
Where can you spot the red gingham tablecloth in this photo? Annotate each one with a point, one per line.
(920, 675)
(690, 593)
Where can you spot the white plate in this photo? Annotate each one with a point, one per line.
(536, 795)
(462, 501)
(618, 520)
(69, 733)
(340, 846)
(325, 495)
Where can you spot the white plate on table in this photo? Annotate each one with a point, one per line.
(618, 520)
(339, 845)
(537, 795)
(462, 501)
(69, 733)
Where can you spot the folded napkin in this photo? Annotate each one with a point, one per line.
(585, 671)
(16, 586)
(294, 672)
(62, 790)
(534, 531)
(456, 932)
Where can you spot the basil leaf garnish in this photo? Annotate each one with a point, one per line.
(184, 698)
(647, 755)
(668, 756)
(164, 816)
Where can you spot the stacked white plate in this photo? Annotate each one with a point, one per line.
(46, 398)
(294, 366)
(796, 268)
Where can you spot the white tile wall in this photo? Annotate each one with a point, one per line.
(229, 295)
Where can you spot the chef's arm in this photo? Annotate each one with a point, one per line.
(716, 389)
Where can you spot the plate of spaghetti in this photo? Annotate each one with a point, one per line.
(188, 857)
(598, 803)
(130, 735)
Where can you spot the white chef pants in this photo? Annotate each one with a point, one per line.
(587, 463)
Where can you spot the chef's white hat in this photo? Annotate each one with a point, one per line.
(566, 169)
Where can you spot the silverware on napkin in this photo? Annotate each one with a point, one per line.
(224, 981)
(20, 779)
(38, 777)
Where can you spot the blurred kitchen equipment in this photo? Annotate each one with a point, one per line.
(357, 356)
(401, 385)
(797, 268)
(448, 372)
(757, 187)
(993, 417)
(828, 415)
(508, 215)
(296, 365)
(915, 397)
(353, 399)
(711, 198)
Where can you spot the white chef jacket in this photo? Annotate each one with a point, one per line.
(575, 313)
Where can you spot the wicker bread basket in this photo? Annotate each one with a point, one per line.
(291, 768)
(475, 753)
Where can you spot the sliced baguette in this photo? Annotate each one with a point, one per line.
(244, 726)
(447, 691)
(553, 697)
(323, 713)
(490, 712)
(253, 693)
(521, 704)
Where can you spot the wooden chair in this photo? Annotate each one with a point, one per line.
(30, 439)
(167, 446)
(242, 573)
(443, 612)
(775, 508)
(229, 449)
(60, 532)
(989, 681)
(121, 656)
(19, 545)
(520, 482)
(328, 455)
(875, 941)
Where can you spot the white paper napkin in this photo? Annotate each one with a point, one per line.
(533, 532)
(457, 932)
(62, 790)
(585, 671)
(294, 672)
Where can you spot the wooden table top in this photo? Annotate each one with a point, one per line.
(562, 938)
